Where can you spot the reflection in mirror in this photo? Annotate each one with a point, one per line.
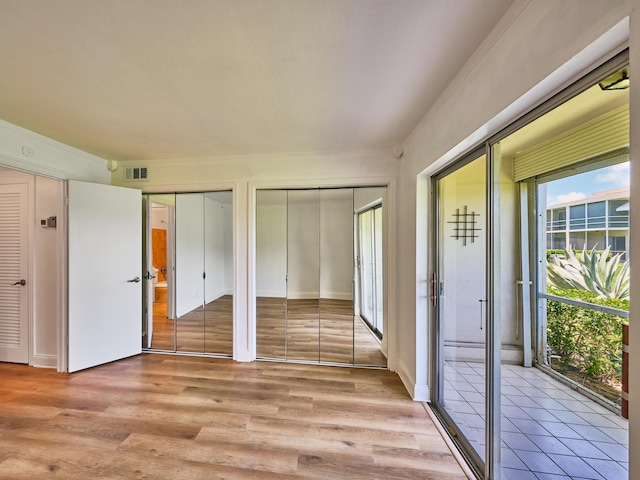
(336, 276)
(190, 272)
(303, 275)
(271, 273)
(218, 258)
(305, 295)
(159, 240)
(369, 207)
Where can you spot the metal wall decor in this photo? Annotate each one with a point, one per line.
(465, 225)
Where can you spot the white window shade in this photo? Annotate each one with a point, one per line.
(608, 133)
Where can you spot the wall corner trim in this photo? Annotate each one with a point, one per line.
(418, 392)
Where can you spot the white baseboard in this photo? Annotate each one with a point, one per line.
(419, 393)
(45, 361)
(242, 356)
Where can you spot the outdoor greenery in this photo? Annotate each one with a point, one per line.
(587, 343)
(586, 340)
(596, 272)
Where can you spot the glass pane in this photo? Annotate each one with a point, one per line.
(379, 274)
(596, 240)
(218, 258)
(462, 300)
(271, 273)
(596, 215)
(577, 240)
(367, 290)
(303, 275)
(618, 213)
(369, 276)
(160, 329)
(189, 272)
(559, 219)
(336, 275)
(577, 217)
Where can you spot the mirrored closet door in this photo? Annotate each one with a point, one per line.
(190, 273)
(305, 273)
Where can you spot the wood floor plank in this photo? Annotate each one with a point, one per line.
(335, 431)
(263, 459)
(171, 417)
(257, 439)
(338, 466)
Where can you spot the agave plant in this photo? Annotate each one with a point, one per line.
(593, 271)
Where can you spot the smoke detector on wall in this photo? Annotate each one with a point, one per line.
(136, 174)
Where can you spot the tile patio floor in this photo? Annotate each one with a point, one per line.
(549, 431)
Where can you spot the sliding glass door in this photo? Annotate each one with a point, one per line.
(461, 290)
(522, 243)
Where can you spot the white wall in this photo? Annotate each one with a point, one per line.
(159, 217)
(271, 243)
(214, 253)
(48, 268)
(336, 244)
(317, 226)
(189, 253)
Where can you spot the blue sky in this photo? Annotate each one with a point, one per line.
(585, 184)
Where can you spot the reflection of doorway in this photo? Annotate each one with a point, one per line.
(370, 271)
(160, 275)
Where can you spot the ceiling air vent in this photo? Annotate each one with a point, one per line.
(135, 174)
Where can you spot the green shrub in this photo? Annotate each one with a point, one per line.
(584, 338)
(599, 273)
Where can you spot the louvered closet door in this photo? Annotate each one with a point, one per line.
(14, 327)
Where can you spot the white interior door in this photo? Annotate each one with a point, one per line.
(105, 260)
(14, 289)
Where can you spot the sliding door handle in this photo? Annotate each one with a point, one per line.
(134, 280)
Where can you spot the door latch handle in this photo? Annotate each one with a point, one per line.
(148, 276)
(134, 280)
(22, 282)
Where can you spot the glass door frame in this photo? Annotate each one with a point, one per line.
(488, 468)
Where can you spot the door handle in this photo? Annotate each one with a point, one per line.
(148, 276)
(134, 280)
(22, 282)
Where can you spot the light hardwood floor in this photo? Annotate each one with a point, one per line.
(176, 417)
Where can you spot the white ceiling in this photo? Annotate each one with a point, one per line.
(142, 79)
